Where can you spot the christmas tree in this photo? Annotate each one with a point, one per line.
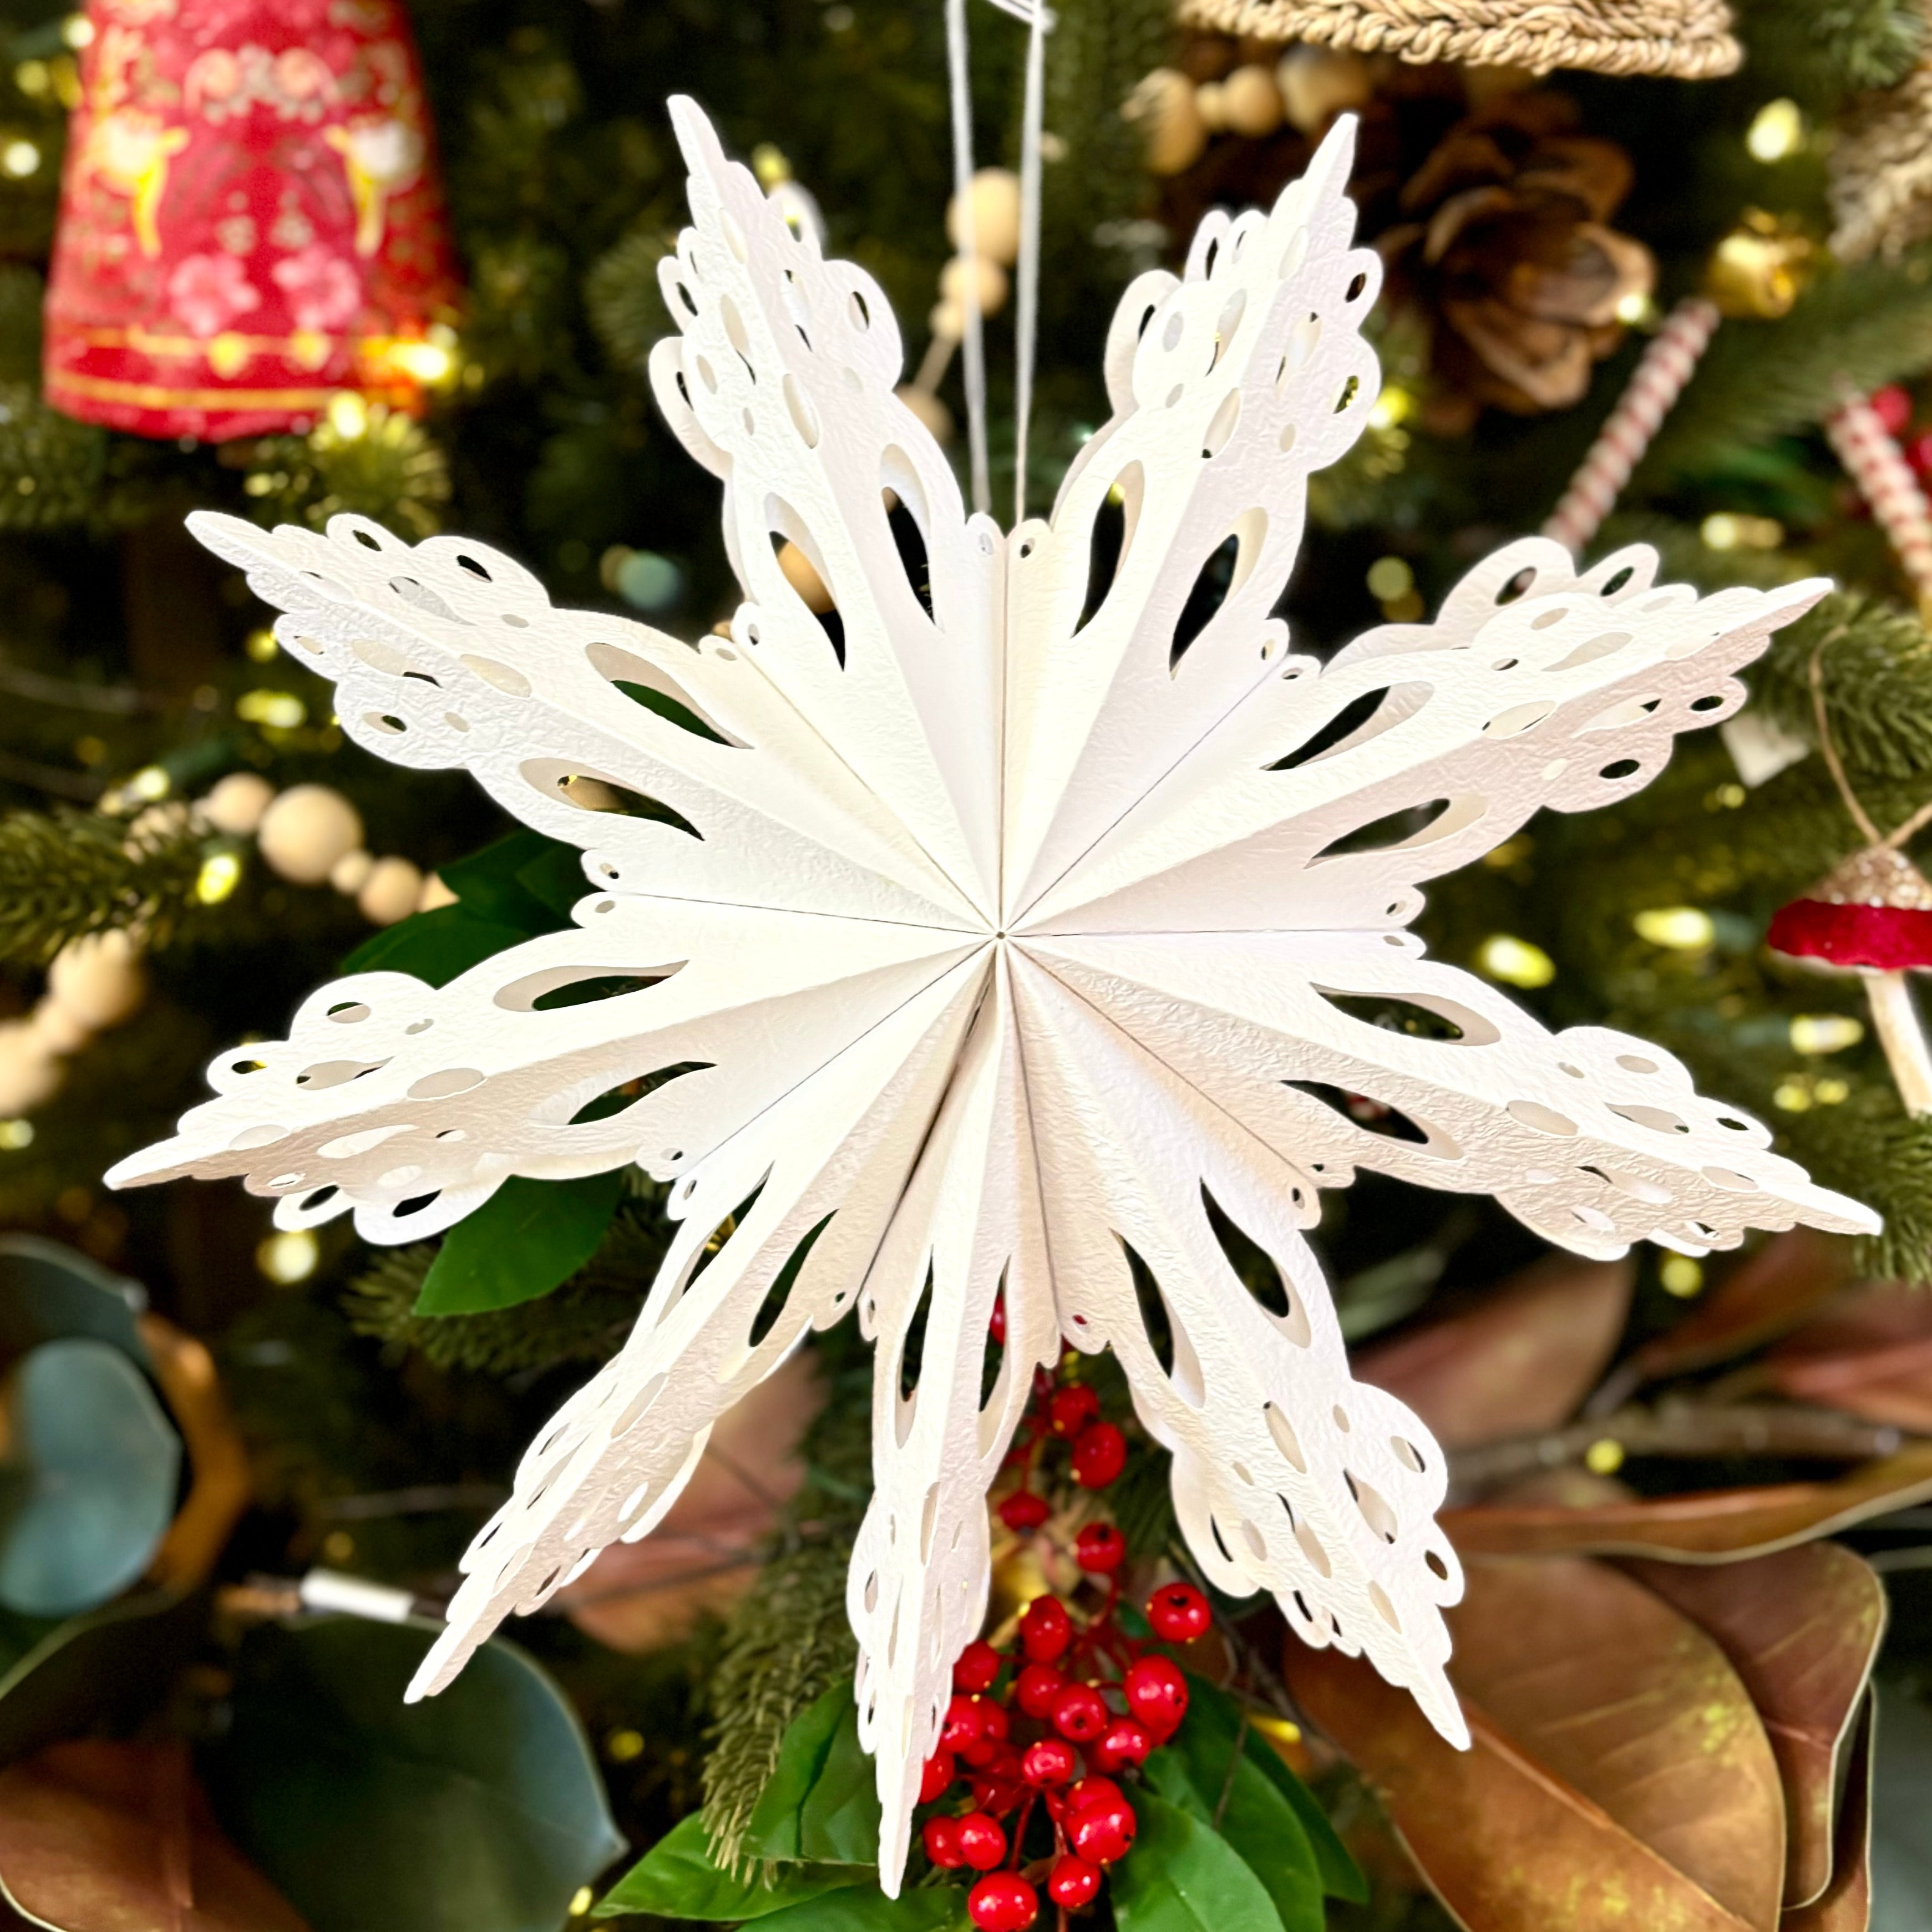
(1655, 273)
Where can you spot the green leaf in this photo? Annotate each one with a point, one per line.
(821, 1803)
(529, 1238)
(87, 1484)
(1183, 1876)
(49, 1293)
(476, 1810)
(491, 885)
(555, 878)
(436, 947)
(1209, 1707)
(677, 1878)
(864, 1908)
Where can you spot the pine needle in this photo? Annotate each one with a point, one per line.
(68, 873)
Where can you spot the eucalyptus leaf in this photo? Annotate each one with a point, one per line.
(529, 1238)
(87, 1480)
(821, 1802)
(49, 1293)
(677, 1878)
(1212, 1712)
(1182, 1876)
(476, 1810)
(435, 945)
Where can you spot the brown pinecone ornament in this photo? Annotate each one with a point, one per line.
(1501, 244)
(1881, 170)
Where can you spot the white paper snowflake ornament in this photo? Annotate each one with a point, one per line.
(1008, 931)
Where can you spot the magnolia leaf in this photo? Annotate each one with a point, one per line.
(864, 1908)
(1182, 1876)
(1520, 1361)
(1619, 1776)
(677, 1878)
(1845, 1905)
(490, 885)
(1870, 1356)
(478, 1812)
(1214, 1717)
(96, 1837)
(529, 1238)
(1801, 1629)
(1703, 1526)
(88, 1479)
(1253, 1819)
(821, 1804)
(435, 945)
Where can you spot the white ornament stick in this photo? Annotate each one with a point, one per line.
(1875, 462)
(1655, 385)
(1018, 934)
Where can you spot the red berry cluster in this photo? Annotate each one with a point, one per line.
(1074, 1705)
(1895, 408)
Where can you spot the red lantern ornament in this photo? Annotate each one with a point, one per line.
(250, 218)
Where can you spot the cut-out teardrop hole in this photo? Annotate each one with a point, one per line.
(996, 1348)
(773, 1307)
(1345, 723)
(625, 1095)
(585, 992)
(1106, 545)
(590, 792)
(1375, 1117)
(1210, 593)
(912, 1350)
(1257, 1270)
(909, 541)
(830, 621)
(1393, 829)
(1445, 1022)
(670, 709)
(416, 1203)
(1156, 1321)
(575, 986)
(714, 1244)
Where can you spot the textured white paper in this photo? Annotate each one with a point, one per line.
(1005, 951)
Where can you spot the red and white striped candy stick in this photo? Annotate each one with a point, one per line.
(1876, 464)
(1655, 385)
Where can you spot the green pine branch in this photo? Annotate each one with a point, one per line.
(66, 873)
(1817, 49)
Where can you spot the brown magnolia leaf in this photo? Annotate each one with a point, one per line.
(1507, 1844)
(1519, 1362)
(1870, 1356)
(1768, 1293)
(1703, 1526)
(1801, 1629)
(640, 1596)
(96, 1837)
(221, 1485)
(1845, 1905)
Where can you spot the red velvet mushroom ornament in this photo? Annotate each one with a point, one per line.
(1873, 915)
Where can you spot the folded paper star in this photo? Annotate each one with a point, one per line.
(1019, 929)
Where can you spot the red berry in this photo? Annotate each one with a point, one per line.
(993, 1721)
(996, 1324)
(1892, 405)
(1046, 1629)
(981, 1752)
(1002, 1902)
(1156, 1694)
(1023, 1510)
(993, 1793)
(1073, 1882)
(1037, 1688)
(961, 1725)
(941, 1840)
(1918, 454)
(936, 1778)
(1179, 1613)
(1102, 1832)
(1079, 1713)
(1099, 1455)
(1091, 1790)
(979, 1664)
(1100, 1548)
(982, 1840)
(1126, 1741)
(1051, 1761)
(1071, 1408)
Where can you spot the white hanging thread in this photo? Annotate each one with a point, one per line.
(1875, 462)
(958, 72)
(1027, 320)
(1653, 389)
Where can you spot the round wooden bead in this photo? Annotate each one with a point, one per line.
(434, 893)
(391, 891)
(1162, 106)
(56, 1029)
(98, 979)
(1211, 103)
(306, 829)
(1251, 102)
(1317, 83)
(29, 1074)
(235, 805)
(802, 573)
(990, 281)
(351, 871)
(995, 194)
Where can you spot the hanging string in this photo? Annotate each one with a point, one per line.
(1027, 320)
(958, 72)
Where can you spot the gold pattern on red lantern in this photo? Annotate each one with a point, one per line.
(251, 220)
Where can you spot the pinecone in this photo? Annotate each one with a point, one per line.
(1501, 245)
